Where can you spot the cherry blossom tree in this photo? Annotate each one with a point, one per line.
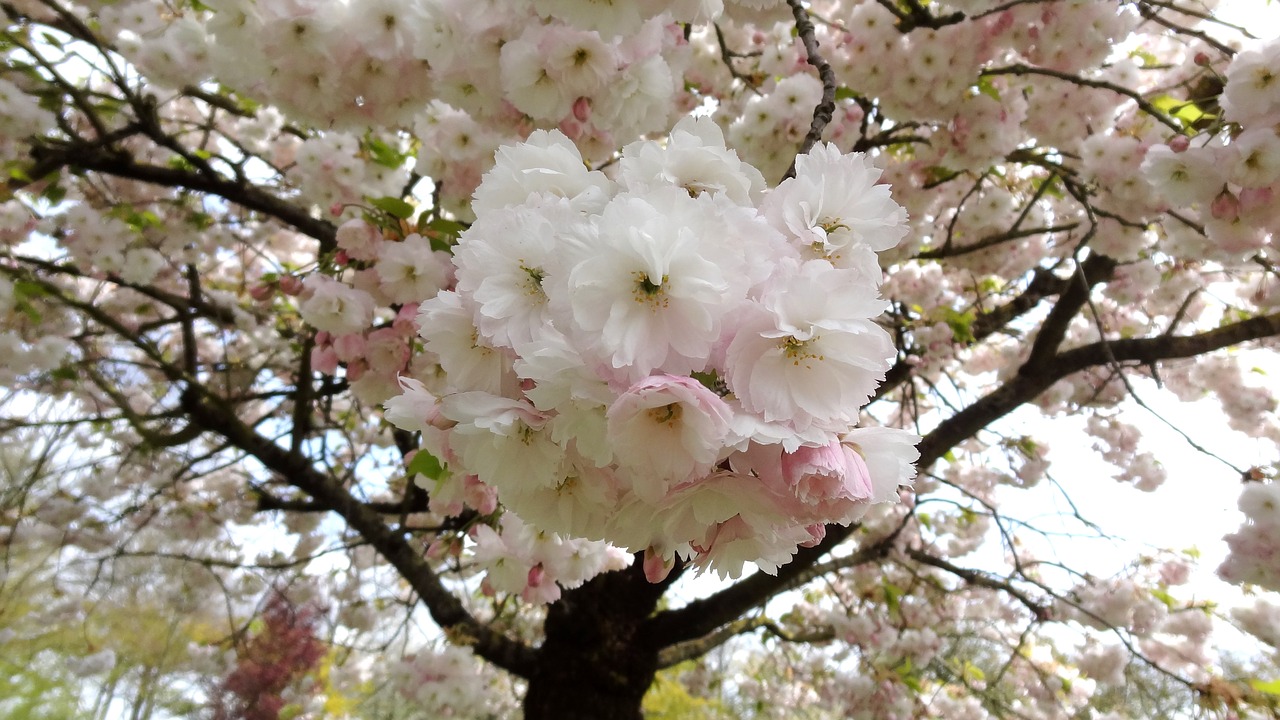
(594, 340)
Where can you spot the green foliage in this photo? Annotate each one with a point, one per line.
(426, 464)
(395, 207)
(668, 699)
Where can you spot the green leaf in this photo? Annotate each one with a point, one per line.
(1270, 687)
(393, 206)
(711, 381)
(424, 463)
(961, 324)
(443, 233)
(1148, 60)
(25, 289)
(63, 373)
(1164, 597)
(845, 93)
(891, 594)
(986, 87)
(1188, 113)
(54, 194)
(383, 154)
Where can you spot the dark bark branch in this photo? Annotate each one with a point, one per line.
(102, 160)
(991, 241)
(297, 470)
(1097, 268)
(827, 106)
(705, 616)
(981, 579)
(1032, 381)
(1143, 103)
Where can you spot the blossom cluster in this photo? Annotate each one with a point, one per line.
(671, 359)
(1255, 547)
(1232, 181)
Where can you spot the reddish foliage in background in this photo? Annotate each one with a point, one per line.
(282, 652)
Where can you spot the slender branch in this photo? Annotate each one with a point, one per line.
(448, 612)
(826, 108)
(98, 159)
(982, 579)
(992, 241)
(1143, 103)
(704, 616)
(1030, 382)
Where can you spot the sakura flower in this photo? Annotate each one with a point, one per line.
(503, 260)
(890, 455)
(1253, 84)
(410, 271)
(834, 205)
(696, 159)
(335, 307)
(359, 239)
(832, 471)
(677, 414)
(501, 441)
(579, 61)
(609, 18)
(650, 294)
(445, 326)
(1258, 157)
(1185, 178)
(526, 80)
(809, 350)
(547, 163)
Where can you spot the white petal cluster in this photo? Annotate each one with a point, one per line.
(672, 361)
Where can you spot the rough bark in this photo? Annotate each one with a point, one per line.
(596, 662)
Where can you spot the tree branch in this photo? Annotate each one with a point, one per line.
(297, 470)
(826, 108)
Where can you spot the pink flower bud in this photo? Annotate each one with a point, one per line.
(341, 258)
(1201, 58)
(817, 532)
(1225, 207)
(571, 128)
(356, 370)
(290, 285)
(582, 109)
(656, 568)
(536, 575)
(1179, 143)
(335, 209)
(405, 322)
(350, 347)
(324, 360)
(261, 292)
(438, 548)
(478, 495)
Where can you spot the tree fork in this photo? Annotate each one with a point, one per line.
(597, 662)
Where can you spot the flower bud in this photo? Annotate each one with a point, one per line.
(290, 285)
(1225, 207)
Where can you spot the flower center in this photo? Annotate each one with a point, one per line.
(798, 351)
(667, 414)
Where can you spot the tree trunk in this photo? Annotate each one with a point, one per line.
(593, 664)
